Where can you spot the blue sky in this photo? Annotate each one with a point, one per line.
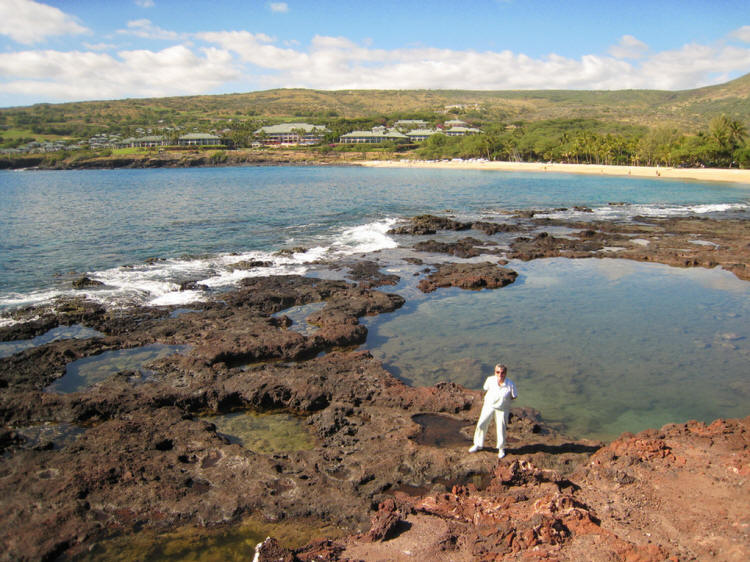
(72, 50)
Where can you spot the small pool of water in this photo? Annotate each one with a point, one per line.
(441, 431)
(49, 435)
(75, 331)
(199, 544)
(298, 315)
(85, 372)
(598, 346)
(265, 433)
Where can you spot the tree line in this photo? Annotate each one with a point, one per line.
(582, 141)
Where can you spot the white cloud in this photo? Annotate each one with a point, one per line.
(339, 63)
(255, 60)
(145, 29)
(144, 3)
(743, 33)
(84, 75)
(278, 7)
(28, 22)
(693, 65)
(628, 48)
(99, 46)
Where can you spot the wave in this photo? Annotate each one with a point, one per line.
(626, 211)
(180, 281)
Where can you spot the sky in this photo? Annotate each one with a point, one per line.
(78, 50)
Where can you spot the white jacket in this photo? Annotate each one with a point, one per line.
(499, 396)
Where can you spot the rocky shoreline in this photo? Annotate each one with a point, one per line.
(389, 471)
(191, 158)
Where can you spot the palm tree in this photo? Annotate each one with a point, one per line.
(719, 130)
(737, 133)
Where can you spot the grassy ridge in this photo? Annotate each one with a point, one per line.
(688, 110)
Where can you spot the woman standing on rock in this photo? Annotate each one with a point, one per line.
(500, 392)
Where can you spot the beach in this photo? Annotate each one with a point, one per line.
(698, 174)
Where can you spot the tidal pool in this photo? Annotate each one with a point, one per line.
(599, 346)
(75, 331)
(82, 373)
(50, 435)
(235, 543)
(265, 433)
(298, 315)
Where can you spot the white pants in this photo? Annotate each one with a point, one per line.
(501, 420)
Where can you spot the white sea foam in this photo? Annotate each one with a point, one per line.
(366, 238)
(626, 211)
(159, 283)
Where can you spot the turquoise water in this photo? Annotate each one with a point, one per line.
(598, 346)
(52, 223)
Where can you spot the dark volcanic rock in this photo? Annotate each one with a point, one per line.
(85, 282)
(249, 264)
(469, 276)
(544, 245)
(429, 224)
(491, 228)
(368, 275)
(464, 248)
(192, 286)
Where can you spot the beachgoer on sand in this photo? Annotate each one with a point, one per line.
(500, 392)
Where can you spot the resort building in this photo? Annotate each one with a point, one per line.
(418, 135)
(374, 136)
(143, 142)
(198, 139)
(455, 123)
(292, 134)
(461, 131)
(409, 124)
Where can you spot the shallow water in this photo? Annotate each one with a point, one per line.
(298, 315)
(54, 435)
(85, 372)
(235, 543)
(75, 331)
(96, 221)
(598, 346)
(265, 433)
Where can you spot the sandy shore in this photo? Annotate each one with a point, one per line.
(700, 174)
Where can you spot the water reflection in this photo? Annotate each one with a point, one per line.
(75, 331)
(598, 346)
(265, 433)
(298, 315)
(235, 543)
(49, 435)
(85, 372)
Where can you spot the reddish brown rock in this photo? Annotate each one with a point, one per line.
(475, 276)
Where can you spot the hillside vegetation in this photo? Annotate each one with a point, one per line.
(628, 126)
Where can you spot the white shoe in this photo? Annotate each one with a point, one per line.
(501, 453)
(474, 448)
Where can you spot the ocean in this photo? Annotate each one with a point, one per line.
(597, 346)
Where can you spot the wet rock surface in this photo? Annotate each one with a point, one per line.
(679, 242)
(474, 276)
(391, 467)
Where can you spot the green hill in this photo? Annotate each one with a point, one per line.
(688, 110)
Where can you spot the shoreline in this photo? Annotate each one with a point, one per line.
(698, 174)
(207, 159)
